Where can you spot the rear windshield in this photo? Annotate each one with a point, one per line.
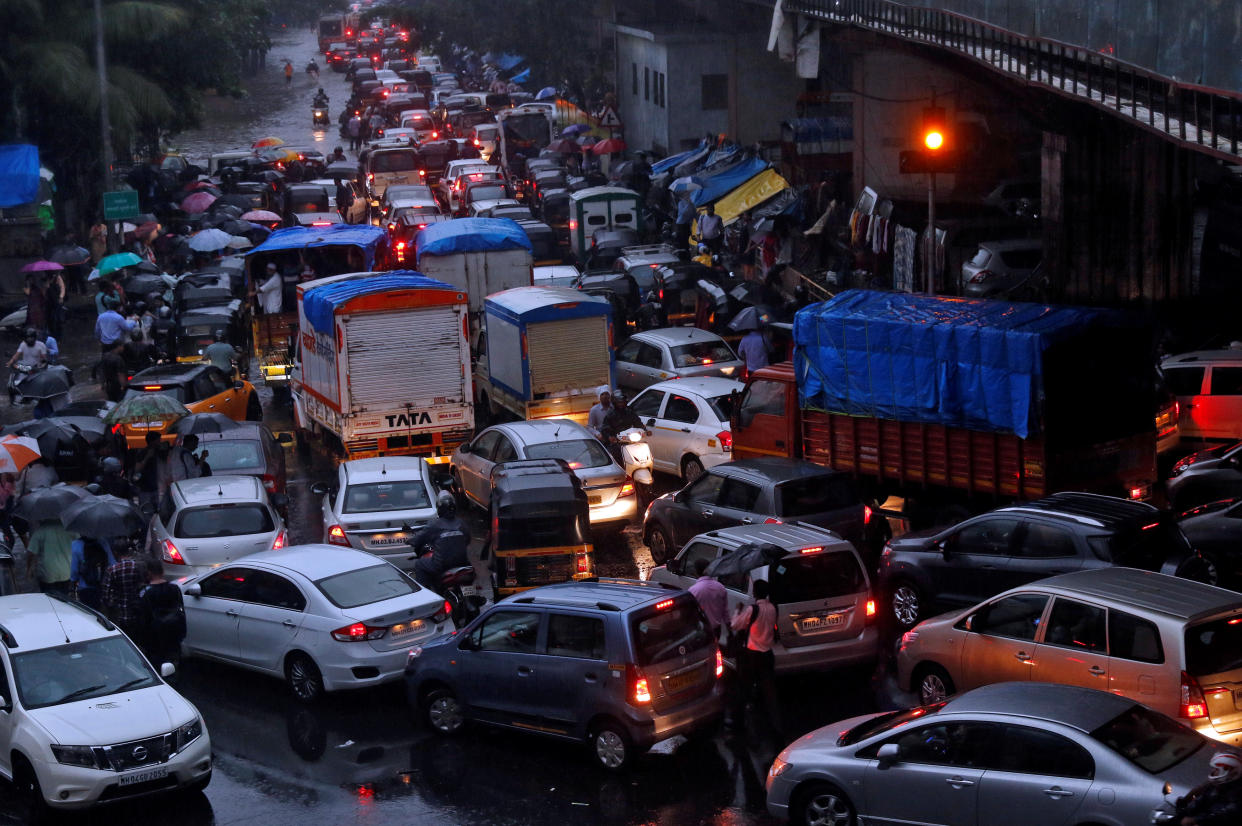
(1149, 740)
(392, 162)
(308, 202)
(1214, 647)
(815, 576)
(242, 456)
(700, 353)
(386, 496)
(663, 634)
(419, 123)
(816, 494)
(365, 586)
(223, 520)
(579, 453)
(174, 390)
(486, 193)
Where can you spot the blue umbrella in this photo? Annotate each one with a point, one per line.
(521, 77)
(574, 129)
(546, 92)
(690, 183)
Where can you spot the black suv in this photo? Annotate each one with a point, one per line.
(619, 664)
(1014, 545)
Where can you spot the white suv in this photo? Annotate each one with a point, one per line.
(204, 523)
(84, 718)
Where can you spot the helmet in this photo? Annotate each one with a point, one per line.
(31, 333)
(111, 466)
(219, 335)
(1226, 768)
(93, 488)
(619, 397)
(165, 311)
(446, 505)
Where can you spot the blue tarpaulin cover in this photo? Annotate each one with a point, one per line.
(319, 303)
(717, 185)
(672, 160)
(296, 238)
(471, 235)
(19, 175)
(973, 364)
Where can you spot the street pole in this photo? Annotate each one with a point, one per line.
(930, 257)
(105, 125)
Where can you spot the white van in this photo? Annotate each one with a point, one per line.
(1208, 387)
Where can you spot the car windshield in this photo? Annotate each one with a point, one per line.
(699, 353)
(486, 193)
(366, 585)
(722, 406)
(223, 520)
(815, 576)
(579, 453)
(80, 671)
(884, 723)
(1214, 647)
(235, 457)
(401, 495)
(1149, 740)
(664, 633)
(174, 390)
(815, 494)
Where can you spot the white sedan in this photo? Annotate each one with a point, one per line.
(322, 618)
(372, 501)
(689, 423)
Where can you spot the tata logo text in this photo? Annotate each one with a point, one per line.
(408, 419)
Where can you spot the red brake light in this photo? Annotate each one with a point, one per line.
(358, 632)
(400, 245)
(1235, 621)
(871, 608)
(583, 564)
(640, 690)
(573, 225)
(1152, 525)
(476, 141)
(269, 482)
(719, 664)
(866, 514)
(153, 387)
(627, 489)
(435, 135)
(118, 429)
(321, 223)
(171, 554)
(813, 550)
(726, 440)
(1193, 705)
(663, 604)
(1136, 493)
(336, 536)
(772, 520)
(280, 541)
(422, 173)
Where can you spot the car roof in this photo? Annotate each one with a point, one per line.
(1091, 509)
(775, 469)
(788, 535)
(1085, 709)
(220, 489)
(1146, 591)
(676, 335)
(1008, 244)
(707, 387)
(169, 372)
(314, 561)
(606, 594)
(545, 430)
(1202, 356)
(243, 432)
(386, 468)
(29, 622)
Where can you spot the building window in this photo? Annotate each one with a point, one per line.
(634, 67)
(646, 83)
(715, 92)
(660, 89)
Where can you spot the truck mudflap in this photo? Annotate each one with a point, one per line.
(436, 448)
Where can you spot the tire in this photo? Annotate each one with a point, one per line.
(1200, 569)
(29, 791)
(611, 747)
(933, 684)
(691, 469)
(442, 712)
(254, 410)
(906, 603)
(822, 804)
(304, 678)
(660, 544)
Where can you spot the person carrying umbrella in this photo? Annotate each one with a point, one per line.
(756, 624)
(111, 328)
(151, 473)
(162, 616)
(89, 560)
(111, 372)
(685, 216)
(48, 555)
(120, 589)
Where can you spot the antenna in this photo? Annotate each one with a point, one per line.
(384, 469)
(58, 622)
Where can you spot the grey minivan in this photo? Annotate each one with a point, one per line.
(618, 664)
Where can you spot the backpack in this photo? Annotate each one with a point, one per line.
(94, 562)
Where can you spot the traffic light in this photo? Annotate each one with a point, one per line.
(935, 131)
(936, 152)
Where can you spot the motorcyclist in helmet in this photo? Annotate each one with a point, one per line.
(619, 419)
(321, 99)
(112, 481)
(1218, 802)
(162, 331)
(220, 353)
(447, 537)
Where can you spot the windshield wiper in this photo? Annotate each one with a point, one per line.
(73, 695)
(130, 684)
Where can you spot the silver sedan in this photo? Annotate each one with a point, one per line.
(1010, 753)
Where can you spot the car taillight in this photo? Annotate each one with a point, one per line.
(359, 632)
(981, 276)
(435, 135)
(321, 223)
(422, 173)
(640, 690)
(869, 612)
(269, 482)
(336, 536)
(1193, 705)
(583, 564)
(445, 610)
(866, 514)
(719, 664)
(627, 489)
(573, 225)
(726, 440)
(171, 554)
(279, 542)
(771, 520)
(476, 141)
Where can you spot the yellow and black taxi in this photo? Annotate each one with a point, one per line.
(202, 388)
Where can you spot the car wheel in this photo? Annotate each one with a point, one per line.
(443, 713)
(659, 543)
(822, 804)
(691, 469)
(29, 791)
(933, 684)
(1200, 569)
(254, 410)
(611, 746)
(304, 678)
(907, 604)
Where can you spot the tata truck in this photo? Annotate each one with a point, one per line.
(956, 405)
(383, 365)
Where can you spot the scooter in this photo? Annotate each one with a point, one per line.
(18, 373)
(457, 586)
(636, 460)
(319, 116)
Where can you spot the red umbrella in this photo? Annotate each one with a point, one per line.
(201, 185)
(565, 147)
(146, 229)
(609, 146)
(198, 202)
(42, 266)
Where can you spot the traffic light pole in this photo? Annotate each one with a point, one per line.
(929, 259)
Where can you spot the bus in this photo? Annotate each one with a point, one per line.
(522, 134)
(331, 30)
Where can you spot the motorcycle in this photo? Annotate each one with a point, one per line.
(635, 458)
(319, 116)
(18, 373)
(457, 586)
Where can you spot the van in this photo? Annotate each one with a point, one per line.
(1208, 387)
(602, 207)
(1169, 643)
(384, 167)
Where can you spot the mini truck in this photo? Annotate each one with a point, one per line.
(383, 365)
(543, 353)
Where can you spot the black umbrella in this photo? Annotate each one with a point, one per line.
(750, 318)
(341, 170)
(223, 213)
(48, 503)
(242, 202)
(235, 226)
(146, 267)
(93, 429)
(144, 284)
(54, 380)
(57, 440)
(744, 559)
(69, 255)
(204, 423)
(102, 517)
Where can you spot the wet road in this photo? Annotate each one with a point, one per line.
(359, 757)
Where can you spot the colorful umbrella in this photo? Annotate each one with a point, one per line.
(564, 146)
(42, 266)
(148, 407)
(16, 452)
(209, 240)
(200, 185)
(260, 215)
(609, 146)
(197, 202)
(687, 184)
(112, 263)
(270, 141)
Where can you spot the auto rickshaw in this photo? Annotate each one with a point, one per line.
(541, 526)
(196, 330)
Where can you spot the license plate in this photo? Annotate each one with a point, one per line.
(680, 682)
(595, 500)
(404, 629)
(387, 541)
(142, 777)
(820, 623)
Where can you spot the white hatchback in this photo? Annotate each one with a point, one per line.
(323, 618)
(84, 718)
(204, 523)
(689, 423)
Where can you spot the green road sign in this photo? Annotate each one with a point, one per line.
(117, 206)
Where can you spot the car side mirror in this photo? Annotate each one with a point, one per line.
(194, 591)
(4, 703)
(888, 754)
(467, 644)
(320, 488)
(943, 546)
(673, 566)
(167, 670)
(651, 423)
(238, 385)
(285, 439)
(969, 623)
(279, 500)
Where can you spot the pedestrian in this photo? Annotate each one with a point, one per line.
(137, 353)
(8, 499)
(122, 583)
(288, 73)
(36, 301)
(161, 615)
(685, 215)
(754, 351)
(338, 154)
(712, 597)
(104, 289)
(38, 474)
(48, 554)
(112, 328)
(54, 295)
(90, 558)
(755, 627)
(182, 463)
(354, 128)
(599, 412)
(221, 354)
(112, 481)
(271, 299)
(711, 229)
(111, 371)
(98, 240)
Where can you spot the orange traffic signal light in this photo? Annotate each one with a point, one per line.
(935, 129)
(933, 139)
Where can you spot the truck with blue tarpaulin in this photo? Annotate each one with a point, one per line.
(543, 353)
(383, 365)
(955, 404)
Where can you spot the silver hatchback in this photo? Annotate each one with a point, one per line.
(674, 353)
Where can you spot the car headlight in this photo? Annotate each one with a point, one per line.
(779, 767)
(190, 732)
(76, 756)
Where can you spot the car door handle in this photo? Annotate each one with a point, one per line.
(232, 612)
(525, 671)
(1022, 655)
(1056, 792)
(708, 513)
(746, 520)
(211, 407)
(1096, 670)
(289, 623)
(959, 782)
(685, 430)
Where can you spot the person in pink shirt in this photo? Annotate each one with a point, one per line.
(756, 663)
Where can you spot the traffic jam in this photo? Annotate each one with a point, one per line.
(432, 473)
